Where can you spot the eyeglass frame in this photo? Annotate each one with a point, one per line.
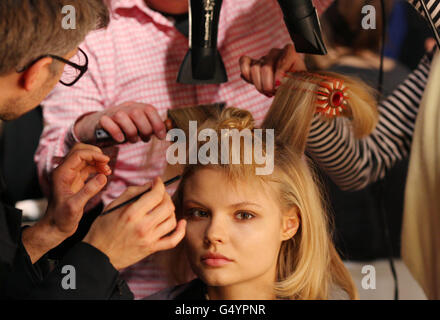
(82, 69)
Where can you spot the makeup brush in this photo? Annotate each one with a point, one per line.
(177, 118)
(135, 198)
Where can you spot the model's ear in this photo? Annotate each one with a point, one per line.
(291, 223)
(36, 74)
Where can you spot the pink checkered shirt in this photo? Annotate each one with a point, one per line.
(137, 58)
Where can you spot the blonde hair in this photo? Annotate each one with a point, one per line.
(308, 266)
(295, 105)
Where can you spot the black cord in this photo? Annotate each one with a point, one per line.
(431, 22)
(381, 185)
(382, 50)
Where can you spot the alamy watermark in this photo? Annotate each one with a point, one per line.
(69, 20)
(69, 280)
(228, 146)
(369, 280)
(369, 18)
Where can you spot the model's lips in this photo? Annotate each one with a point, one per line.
(215, 260)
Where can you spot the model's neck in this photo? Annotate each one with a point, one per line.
(243, 291)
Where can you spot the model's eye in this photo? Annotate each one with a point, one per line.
(196, 213)
(243, 215)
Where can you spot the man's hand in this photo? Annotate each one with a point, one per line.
(266, 73)
(130, 122)
(134, 232)
(70, 193)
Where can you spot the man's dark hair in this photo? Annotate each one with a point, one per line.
(32, 28)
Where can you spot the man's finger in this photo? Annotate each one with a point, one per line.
(172, 240)
(245, 67)
(83, 176)
(289, 61)
(142, 124)
(89, 170)
(256, 76)
(90, 189)
(127, 126)
(162, 212)
(83, 146)
(150, 200)
(156, 122)
(112, 128)
(84, 158)
(86, 172)
(78, 161)
(268, 71)
(165, 227)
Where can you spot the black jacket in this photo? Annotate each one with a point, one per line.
(194, 290)
(95, 276)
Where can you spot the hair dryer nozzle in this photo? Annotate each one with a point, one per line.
(303, 24)
(203, 63)
(202, 66)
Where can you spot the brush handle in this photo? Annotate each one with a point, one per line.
(104, 139)
(135, 198)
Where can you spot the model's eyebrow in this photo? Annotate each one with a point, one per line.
(194, 202)
(243, 204)
(235, 205)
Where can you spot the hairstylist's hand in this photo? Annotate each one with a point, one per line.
(138, 230)
(267, 72)
(129, 121)
(71, 190)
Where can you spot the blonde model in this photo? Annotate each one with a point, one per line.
(267, 236)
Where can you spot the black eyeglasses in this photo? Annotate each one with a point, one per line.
(74, 69)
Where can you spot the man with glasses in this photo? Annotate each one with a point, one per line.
(117, 240)
(74, 68)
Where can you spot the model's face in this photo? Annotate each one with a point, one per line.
(169, 6)
(19, 105)
(234, 229)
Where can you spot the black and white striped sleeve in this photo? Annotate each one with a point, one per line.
(353, 164)
(433, 8)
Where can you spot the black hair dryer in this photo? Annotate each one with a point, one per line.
(303, 24)
(203, 63)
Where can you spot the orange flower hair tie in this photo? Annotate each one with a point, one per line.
(332, 98)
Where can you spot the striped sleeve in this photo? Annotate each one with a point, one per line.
(353, 164)
(433, 8)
